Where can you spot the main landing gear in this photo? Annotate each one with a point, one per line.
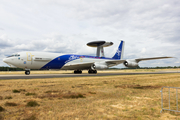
(27, 72)
(92, 71)
(77, 71)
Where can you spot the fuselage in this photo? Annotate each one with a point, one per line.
(46, 60)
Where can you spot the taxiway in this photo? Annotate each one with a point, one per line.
(42, 76)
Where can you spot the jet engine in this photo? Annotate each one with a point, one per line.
(131, 63)
(99, 66)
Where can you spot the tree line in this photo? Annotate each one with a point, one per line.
(10, 69)
(20, 69)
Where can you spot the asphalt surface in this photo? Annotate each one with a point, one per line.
(41, 76)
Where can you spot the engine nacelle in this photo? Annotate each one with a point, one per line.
(131, 63)
(99, 66)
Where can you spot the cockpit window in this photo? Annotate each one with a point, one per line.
(14, 55)
(11, 56)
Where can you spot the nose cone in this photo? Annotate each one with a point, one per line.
(9, 62)
(5, 60)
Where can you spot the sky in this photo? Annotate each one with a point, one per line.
(150, 28)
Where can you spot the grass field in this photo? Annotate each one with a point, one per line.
(110, 97)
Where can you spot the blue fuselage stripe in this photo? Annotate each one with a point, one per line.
(60, 61)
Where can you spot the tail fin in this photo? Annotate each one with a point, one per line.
(119, 53)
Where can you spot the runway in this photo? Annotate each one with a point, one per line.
(41, 76)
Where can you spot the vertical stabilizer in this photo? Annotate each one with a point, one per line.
(119, 53)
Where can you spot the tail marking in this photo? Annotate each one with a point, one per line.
(119, 53)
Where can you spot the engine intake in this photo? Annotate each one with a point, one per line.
(132, 63)
(99, 66)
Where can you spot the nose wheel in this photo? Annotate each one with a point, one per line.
(27, 72)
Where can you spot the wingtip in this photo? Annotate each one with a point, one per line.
(170, 57)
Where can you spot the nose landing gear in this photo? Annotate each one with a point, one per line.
(27, 72)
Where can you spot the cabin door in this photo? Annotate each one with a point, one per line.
(29, 59)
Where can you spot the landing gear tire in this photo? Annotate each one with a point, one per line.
(77, 71)
(92, 71)
(27, 72)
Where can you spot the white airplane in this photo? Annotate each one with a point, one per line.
(45, 60)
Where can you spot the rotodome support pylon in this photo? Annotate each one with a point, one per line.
(100, 46)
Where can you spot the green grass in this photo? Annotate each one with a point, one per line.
(74, 96)
(8, 97)
(32, 104)
(28, 94)
(16, 91)
(92, 92)
(10, 104)
(1, 109)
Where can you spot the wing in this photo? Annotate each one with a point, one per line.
(111, 63)
(79, 66)
(154, 58)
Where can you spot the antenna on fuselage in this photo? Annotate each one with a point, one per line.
(100, 46)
